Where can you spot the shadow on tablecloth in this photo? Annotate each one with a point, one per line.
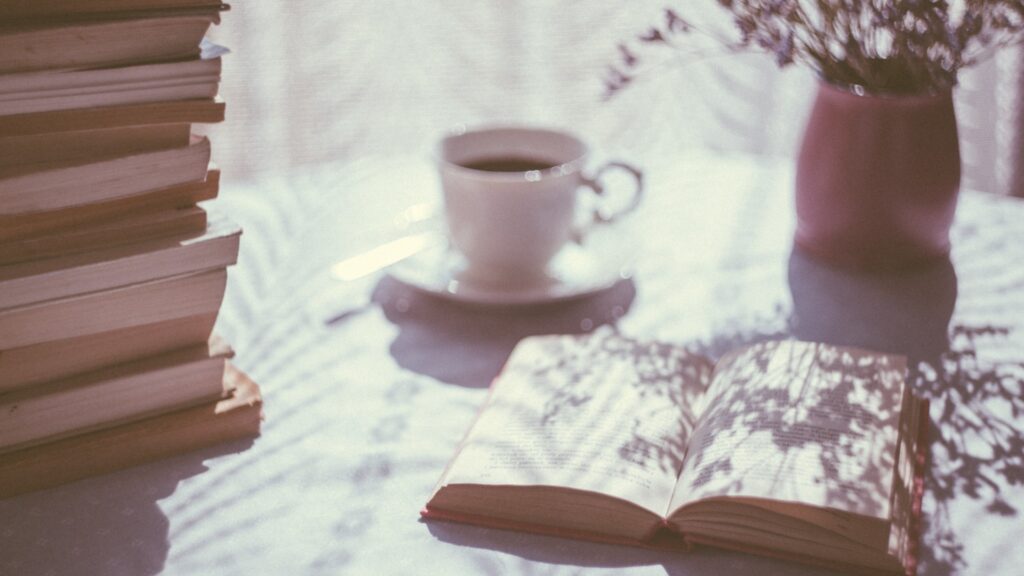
(467, 345)
(108, 525)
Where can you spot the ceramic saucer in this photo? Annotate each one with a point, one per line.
(576, 271)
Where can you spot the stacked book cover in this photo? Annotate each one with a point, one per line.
(111, 272)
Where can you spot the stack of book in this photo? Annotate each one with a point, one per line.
(111, 275)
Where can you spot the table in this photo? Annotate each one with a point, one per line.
(370, 384)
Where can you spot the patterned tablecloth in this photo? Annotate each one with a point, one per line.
(369, 384)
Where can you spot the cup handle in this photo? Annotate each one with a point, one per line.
(601, 214)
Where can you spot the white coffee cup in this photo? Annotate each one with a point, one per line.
(511, 198)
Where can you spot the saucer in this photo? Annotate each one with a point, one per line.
(576, 271)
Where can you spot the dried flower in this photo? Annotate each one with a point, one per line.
(884, 46)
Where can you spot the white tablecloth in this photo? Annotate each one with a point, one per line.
(364, 412)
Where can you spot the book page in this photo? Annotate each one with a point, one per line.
(600, 413)
(799, 422)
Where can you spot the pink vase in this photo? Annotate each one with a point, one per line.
(877, 178)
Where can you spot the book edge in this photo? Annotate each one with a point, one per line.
(248, 411)
(429, 513)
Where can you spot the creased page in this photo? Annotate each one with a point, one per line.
(600, 413)
(799, 422)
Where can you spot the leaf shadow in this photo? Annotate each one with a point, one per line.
(976, 444)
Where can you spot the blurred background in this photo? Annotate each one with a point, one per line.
(323, 81)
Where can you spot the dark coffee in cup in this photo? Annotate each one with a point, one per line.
(510, 197)
(508, 164)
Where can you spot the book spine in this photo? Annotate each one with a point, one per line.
(88, 406)
(137, 305)
(104, 180)
(125, 446)
(76, 219)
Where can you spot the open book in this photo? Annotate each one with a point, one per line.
(791, 449)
